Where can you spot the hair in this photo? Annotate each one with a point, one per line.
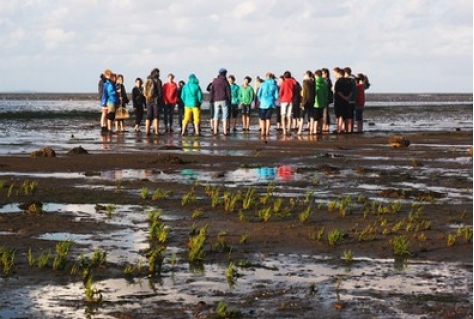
(107, 73)
(248, 78)
(287, 74)
(139, 80)
(309, 73)
(348, 70)
(232, 77)
(155, 73)
(269, 75)
(318, 73)
(171, 75)
(120, 76)
(181, 83)
(338, 70)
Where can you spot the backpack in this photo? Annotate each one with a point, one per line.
(148, 90)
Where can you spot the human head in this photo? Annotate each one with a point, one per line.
(287, 75)
(113, 77)
(222, 71)
(318, 73)
(231, 79)
(347, 71)
(181, 83)
(171, 77)
(337, 72)
(281, 79)
(155, 73)
(107, 73)
(325, 72)
(119, 78)
(308, 75)
(247, 80)
(138, 82)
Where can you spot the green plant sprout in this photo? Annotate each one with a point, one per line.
(401, 246)
(144, 192)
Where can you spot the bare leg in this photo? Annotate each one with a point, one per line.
(225, 125)
(215, 125)
(155, 126)
(147, 127)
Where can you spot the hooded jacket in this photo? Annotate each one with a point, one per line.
(191, 93)
(287, 90)
(268, 94)
(220, 89)
(309, 92)
(321, 100)
(109, 94)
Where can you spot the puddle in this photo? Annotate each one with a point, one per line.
(370, 287)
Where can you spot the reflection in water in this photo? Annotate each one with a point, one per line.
(191, 145)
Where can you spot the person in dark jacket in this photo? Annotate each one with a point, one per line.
(103, 117)
(139, 103)
(220, 98)
(123, 101)
(308, 96)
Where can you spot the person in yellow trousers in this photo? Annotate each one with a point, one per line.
(191, 95)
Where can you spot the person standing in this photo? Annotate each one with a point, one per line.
(234, 102)
(181, 84)
(153, 94)
(170, 98)
(103, 117)
(286, 93)
(123, 101)
(352, 97)
(320, 102)
(246, 97)
(191, 95)
(342, 93)
(360, 102)
(139, 103)
(220, 98)
(308, 96)
(109, 99)
(326, 114)
(267, 95)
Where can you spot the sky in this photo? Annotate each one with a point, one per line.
(403, 46)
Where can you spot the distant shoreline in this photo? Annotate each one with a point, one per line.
(373, 97)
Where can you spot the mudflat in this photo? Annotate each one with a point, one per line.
(341, 197)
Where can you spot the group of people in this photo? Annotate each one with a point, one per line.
(298, 107)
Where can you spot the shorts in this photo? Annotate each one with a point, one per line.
(265, 114)
(297, 111)
(246, 109)
(110, 108)
(286, 108)
(350, 112)
(308, 111)
(318, 113)
(152, 111)
(221, 107)
(359, 114)
(192, 112)
(234, 110)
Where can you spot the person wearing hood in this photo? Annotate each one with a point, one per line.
(110, 98)
(268, 96)
(191, 95)
(320, 102)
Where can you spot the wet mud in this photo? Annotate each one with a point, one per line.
(340, 226)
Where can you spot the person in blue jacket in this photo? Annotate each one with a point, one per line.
(110, 98)
(268, 96)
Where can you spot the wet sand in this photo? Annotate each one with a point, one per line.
(434, 172)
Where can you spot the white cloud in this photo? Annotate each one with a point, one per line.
(387, 39)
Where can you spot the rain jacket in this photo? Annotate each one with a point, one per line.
(268, 94)
(191, 93)
(321, 100)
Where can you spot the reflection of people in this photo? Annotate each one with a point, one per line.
(266, 173)
(191, 95)
(285, 172)
(191, 145)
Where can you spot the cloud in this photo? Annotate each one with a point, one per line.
(387, 39)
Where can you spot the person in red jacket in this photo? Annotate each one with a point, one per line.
(286, 93)
(360, 102)
(170, 98)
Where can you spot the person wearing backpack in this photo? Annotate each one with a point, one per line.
(152, 93)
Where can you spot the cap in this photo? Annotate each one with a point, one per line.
(222, 70)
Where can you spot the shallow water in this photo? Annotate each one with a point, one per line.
(62, 123)
(271, 286)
